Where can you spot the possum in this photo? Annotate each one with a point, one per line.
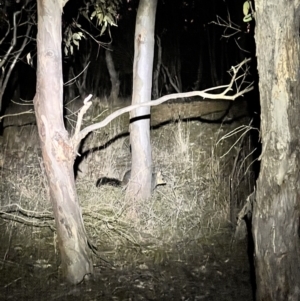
(157, 179)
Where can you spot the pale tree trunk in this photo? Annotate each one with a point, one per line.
(277, 207)
(141, 172)
(57, 151)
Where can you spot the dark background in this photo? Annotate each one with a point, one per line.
(194, 50)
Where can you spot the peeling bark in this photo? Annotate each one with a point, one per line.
(277, 207)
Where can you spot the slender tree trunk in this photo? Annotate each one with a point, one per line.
(277, 207)
(198, 83)
(114, 77)
(156, 73)
(141, 175)
(211, 38)
(57, 151)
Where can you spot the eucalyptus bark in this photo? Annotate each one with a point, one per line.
(277, 208)
(141, 171)
(57, 149)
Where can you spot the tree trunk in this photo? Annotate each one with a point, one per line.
(277, 208)
(141, 171)
(57, 151)
(114, 77)
(156, 73)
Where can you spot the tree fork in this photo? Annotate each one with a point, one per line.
(57, 148)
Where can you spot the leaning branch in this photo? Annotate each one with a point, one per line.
(79, 135)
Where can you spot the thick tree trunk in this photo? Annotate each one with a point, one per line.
(58, 154)
(141, 174)
(277, 207)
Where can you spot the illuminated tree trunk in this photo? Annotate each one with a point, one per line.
(57, 151)
(141, 175)
(277, 207)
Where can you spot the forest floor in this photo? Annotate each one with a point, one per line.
(211, 269)
(178, 246)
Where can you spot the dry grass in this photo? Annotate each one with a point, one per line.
(194, 204)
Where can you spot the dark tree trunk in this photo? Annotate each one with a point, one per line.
(58, 153)
(156, 73)
(141, 175)
(114, 77)
(277, 207)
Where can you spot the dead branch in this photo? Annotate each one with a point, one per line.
(17, 114)
(73, 80)
(25, 102)
(76, 139)
(82, 111)
(15, 212)
(28, 221)
(229, 25)
(170, 79)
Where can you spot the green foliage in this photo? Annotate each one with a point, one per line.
(105, 12)
(248, 11)
(72, 39)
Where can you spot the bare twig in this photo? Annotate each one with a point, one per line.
(170, 79)
(240, 47)
(82, 111)
(229, 25)
(72, 80)
(27, 102)
(11, 208)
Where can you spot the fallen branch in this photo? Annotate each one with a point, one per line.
(11, 208)
(16, 213)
